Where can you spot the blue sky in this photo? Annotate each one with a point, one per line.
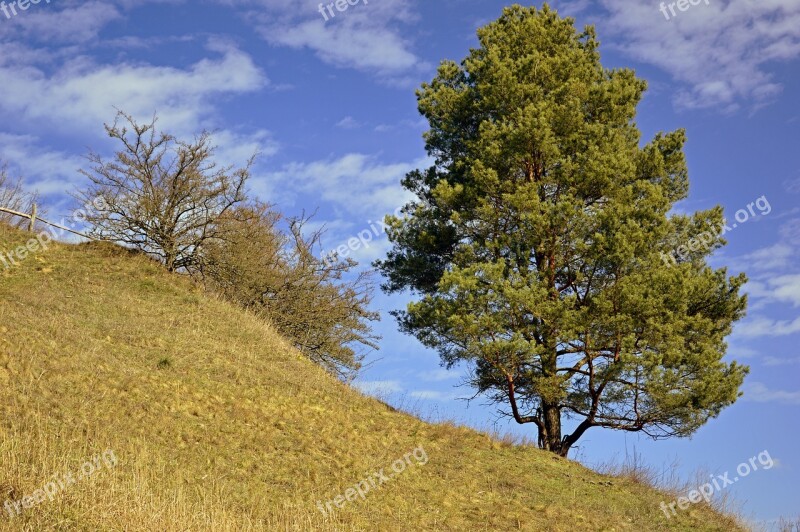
(330, 105)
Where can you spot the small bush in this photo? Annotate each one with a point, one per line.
(317, 304)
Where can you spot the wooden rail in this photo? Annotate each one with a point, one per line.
(33, 219)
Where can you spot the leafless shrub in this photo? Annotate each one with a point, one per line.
(14, 197)
(163, 195)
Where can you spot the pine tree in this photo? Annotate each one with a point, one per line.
(540, 249)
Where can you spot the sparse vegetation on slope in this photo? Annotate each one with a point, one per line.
(218, 424)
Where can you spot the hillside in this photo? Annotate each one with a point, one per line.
(209, 421)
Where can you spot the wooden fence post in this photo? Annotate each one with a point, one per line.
(33, 218)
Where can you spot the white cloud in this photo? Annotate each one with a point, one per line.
(790, 232)
(54, 174)
(719, 52)
(754, 357)
(785, 288)
(354, 186)
(376, 249)
(355, 45)
(761, 326)
(737, 351)
(130, 42)
(418, 124)
(760, 393)
(353, 183)
(438, 375)
(348, 122)
(572, 8)
(781, 289)
(778, 361)
(365, 37)
(379, 387)
(51, 24)
(83, 94)
(792, 186)
(51, 173)
(235, 148)
(434, 395)
(776, 256)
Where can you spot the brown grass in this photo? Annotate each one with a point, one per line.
(219, 425)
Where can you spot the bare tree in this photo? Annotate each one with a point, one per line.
(14, 197)
(163, 195)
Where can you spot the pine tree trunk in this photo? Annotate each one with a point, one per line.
(552, 425)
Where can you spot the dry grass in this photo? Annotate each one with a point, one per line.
(219, 425)
(789, 525)
(668, 480)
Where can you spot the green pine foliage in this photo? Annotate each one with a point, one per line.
(536, 246)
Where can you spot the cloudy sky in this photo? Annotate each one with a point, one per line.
(330, 106)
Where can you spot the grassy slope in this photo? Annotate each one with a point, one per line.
(239, 431)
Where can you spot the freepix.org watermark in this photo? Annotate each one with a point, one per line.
(43, 239)
(375, 480)
(340, 5)
(60, 483)
(362, 240)
(717, 484)
(9, 9)
(705, 239)
(682, 5)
